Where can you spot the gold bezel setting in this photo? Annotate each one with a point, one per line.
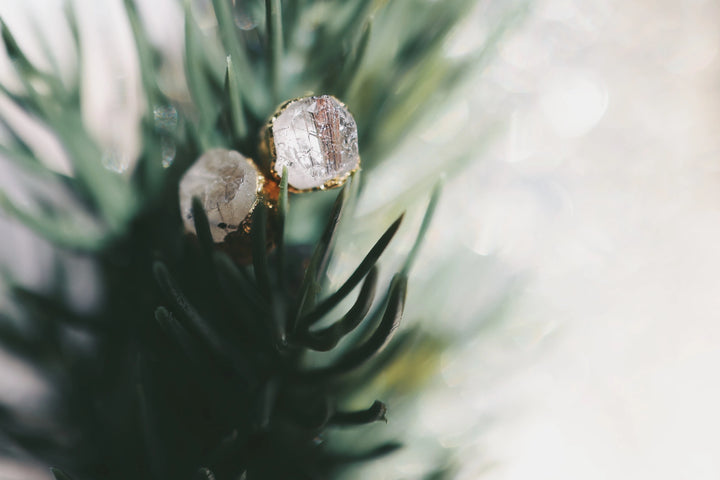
(269, 153)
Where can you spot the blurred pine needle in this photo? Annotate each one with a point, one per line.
(192, 366)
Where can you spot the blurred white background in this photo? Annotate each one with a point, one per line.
(602, 194)
(606, 192)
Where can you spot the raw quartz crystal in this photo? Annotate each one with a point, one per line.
(227, 185)
(316, 139)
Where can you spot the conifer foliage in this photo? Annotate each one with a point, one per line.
(194, 366)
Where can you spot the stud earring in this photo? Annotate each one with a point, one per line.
(230, 187)
(316, 139)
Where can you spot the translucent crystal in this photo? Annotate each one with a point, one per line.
(226, 183)
(316, 139)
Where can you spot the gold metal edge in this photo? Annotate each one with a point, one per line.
(267, 148)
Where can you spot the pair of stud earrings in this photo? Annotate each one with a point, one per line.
(314, 138)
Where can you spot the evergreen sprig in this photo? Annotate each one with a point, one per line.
(194, 366)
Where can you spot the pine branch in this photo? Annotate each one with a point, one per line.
(197, 366)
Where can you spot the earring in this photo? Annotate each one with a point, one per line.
(230, 187)
(316, 139)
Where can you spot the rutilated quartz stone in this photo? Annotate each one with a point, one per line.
(228, 185)
(316, 139)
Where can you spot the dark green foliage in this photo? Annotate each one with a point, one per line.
(209, 379)
(194, 366)
(260, 393)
